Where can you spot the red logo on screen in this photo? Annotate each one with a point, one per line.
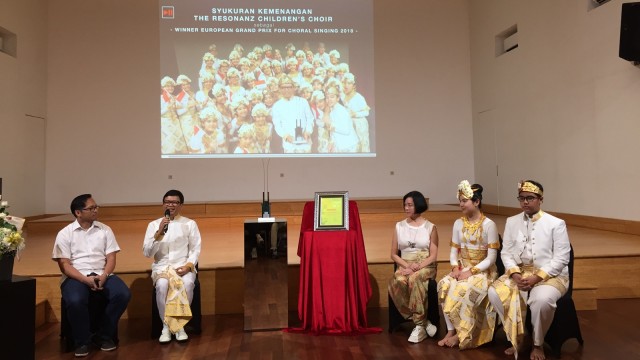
(167, 12)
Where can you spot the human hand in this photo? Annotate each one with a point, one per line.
(517, 278)
(530, 281)
(183, 270)
(100, 280)
(93, 281)
(406, 271)
(455, 272)
(463, 275)
(163, 223)
(415, 267)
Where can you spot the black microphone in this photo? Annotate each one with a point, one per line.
(167, 214)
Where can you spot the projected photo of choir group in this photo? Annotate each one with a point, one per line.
(242, 80)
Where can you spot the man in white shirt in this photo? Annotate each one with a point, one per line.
(86, 254)
(174, 242)
(292, 119)
(535, 253)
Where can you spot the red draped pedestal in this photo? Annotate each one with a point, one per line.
(334, 278)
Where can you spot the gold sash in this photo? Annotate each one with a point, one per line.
(177, 312)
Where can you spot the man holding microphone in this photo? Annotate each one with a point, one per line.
(174, 243)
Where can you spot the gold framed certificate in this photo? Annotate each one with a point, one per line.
(331, 210)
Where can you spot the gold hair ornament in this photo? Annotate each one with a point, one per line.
(528, 187)
(464, 190)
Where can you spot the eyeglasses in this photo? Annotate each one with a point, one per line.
(526, 198)
(174, 203)
(92, 208)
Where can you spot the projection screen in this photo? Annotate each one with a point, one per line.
(242, 78)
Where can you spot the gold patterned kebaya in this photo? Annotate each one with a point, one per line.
(465, 302)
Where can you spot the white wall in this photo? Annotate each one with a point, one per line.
(23, 107)
(103, 126)
(562, 108)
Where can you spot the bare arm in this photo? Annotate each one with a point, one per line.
(394, 252)
(71, 272)
(433, 249)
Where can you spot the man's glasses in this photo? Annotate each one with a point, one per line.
(91, 208)
(526, 198)
(174, 203)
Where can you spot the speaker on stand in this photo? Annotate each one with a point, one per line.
(630, 32)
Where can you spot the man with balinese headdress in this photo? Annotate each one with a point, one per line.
(535, 254)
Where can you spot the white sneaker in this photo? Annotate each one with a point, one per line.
(418, 334)
(181, 335)
(165, 337)
(431, 329)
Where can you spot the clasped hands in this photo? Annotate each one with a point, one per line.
(290, 139)
(459, 274)
(95, 281)
(413, 267)
(525, 283)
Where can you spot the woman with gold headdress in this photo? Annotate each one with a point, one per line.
(209, 139)
(221, 103)
(262, 129)
(358, 109)
(187, 107)
(208, 68)
(338, 123)
(241, 116)
(462, 293)
(172, 139)
(417, 240)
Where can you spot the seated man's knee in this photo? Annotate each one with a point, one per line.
(73, 300)
(189, 286)
(76, 296)
(541, 301)
(124, 295)
(162, 286)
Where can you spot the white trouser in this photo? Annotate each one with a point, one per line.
(450, 326)
(542, 303)
(162, 288)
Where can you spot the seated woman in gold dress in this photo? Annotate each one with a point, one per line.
(462, 293)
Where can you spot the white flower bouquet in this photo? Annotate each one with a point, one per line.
(11, 240)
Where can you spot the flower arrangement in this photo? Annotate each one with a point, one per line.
(11, 240)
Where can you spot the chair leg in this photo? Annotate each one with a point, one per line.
(194, 325)
(156, 322)
(66, 333)
(395, 318)
(433, 307)
(565, 326)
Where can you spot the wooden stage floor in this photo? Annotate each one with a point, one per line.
(608, 334)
